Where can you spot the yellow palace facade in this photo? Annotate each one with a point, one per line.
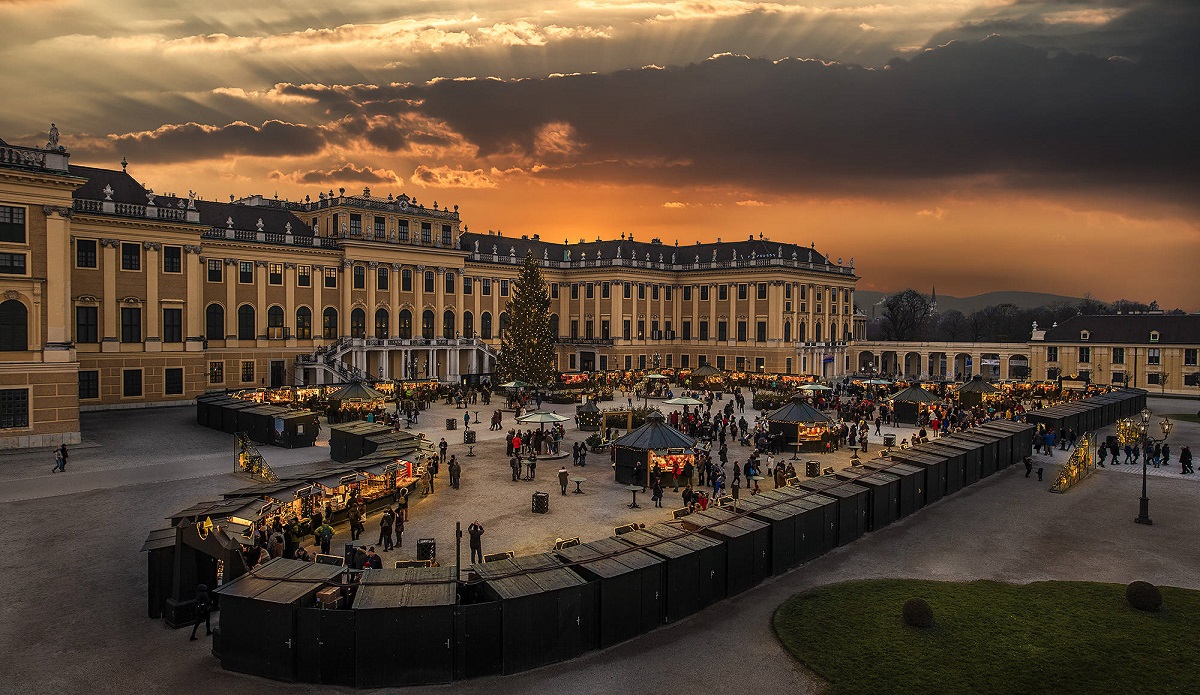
(114, 296)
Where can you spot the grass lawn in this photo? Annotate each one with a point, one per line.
(1193, 417)
(989, 637)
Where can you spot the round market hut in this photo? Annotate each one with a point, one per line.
(976, 392)
(658, 448)
(909, 403)
(800, 425)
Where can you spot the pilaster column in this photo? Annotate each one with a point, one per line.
(394, 289)
(194, 311)
(318, 310)
(260, 314)
(372, 281)
(112, 334)
(419, 300)
(231, 280)
(439, 301)
(153, 310)
(56, 296)
(289, 301)
(344, 283)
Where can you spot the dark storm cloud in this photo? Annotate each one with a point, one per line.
(347, 173)
(192, 141)
(990, 108)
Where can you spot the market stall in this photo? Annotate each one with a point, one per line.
(659, 449)
(911, 402)
(588, 416)
(977, 392)
(802, 426)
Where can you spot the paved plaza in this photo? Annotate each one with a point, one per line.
(75, 614)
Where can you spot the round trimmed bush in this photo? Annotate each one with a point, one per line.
(918, 613)
(1143, 596)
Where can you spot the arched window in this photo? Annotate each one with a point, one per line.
(358, 323)
(817, 331)
(304, 323)
(329, 324)
(14, 326)
(468, 325)
(503, 323)
(846, 331)
(802, 336)
(381, 323)
(427, 324)
(787, 332)
(405, 324)
(214, 322)
(485, 325)
(448, 324)
(246, 330)
(554, 326)
(275, 317)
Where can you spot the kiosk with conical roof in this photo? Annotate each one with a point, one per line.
(658, 447)
(908, 403)
(800, 424)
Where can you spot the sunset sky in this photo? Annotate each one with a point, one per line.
(974, 145)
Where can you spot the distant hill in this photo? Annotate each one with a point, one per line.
(1023, 300)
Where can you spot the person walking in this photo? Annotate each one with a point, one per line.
(399, 529)
(582, 454)
(386, 521)
(532, 465)
(515, 464)
(1028, 466)
(356, 522)
(1101, 452)
(1166, 453)
(60, 463)
(1185, 461)
(657, 495)
(475, 531)
(562, 479)
(325, 534)
(575, 454)
(203, 611)
(442, 447)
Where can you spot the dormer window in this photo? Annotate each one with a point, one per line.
(1154, 336)
(1084, 335)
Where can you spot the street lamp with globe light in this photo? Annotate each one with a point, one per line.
(1166, 425)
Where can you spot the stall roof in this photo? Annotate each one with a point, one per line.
(915, 394)
(654, 544)
(213, 508)
(300, 583)
(688, 539)
(357, 391)
(594, 559)
(656, 434)
(589, 407)
(706, 370)
(978, 385)
(334, 479)
(622, 553)
(509, 579)
(407, 587)
(797, 411)
(547, 572)
(162, 538)
(261, 578)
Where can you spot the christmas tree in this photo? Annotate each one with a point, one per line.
(527, 347)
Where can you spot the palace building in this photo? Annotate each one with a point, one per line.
(115, 296)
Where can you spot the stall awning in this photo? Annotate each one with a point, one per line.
(656, 434)
(978, 385)
(797, 411)
(357, 391)
(915, 394)
(335, 480)
(162, 538)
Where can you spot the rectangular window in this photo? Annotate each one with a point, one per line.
(741, 290)
(303, 276)
(641, 290)
(760, 332)
(687, 293)
(685, 361)
(641, 329)
(702, 330)
(1085, 355)
(12, 224)
(246, 272)
(789, 365)
(625, 290)
(604, 363)
(445, 235)
(669, 361)
(686, 330)
(605, 290)
(216, 372)
(330, 278)
(355, 225)
(722, 293)
(402, 230)
(720, 361)
(628, 361)
(760, 364)
(787, 290)
(87, 326)
(14, 408)
(1189, 357)
(85, 253)
(131, 383)
(803, 292)
(382, 278)
(131, 325)
(486, 287)
(89, 384)
(1152, 378)
(247, 371)
(358, 277)
(591, 290)
(429, 281)
(172, 259)
(469, 285)
(1153, 356)
(625, 329)
(722, 330)
(215, 269)
(554, 290)
(604, 329)
(426, 233)
(574, 329)
(449, 282)
(1118, 377)
(504, 288)
(654, 292)
(131, 256)
(762, 290)
(574, 290)
(12, 263)
(1052, 354)
(173, 381)
(668, 297)
(275, 274)
(741, 331)
(704, 293)
(1192, 379)
(172, 330)
(380, 228)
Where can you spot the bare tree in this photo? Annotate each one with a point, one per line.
(905, 315)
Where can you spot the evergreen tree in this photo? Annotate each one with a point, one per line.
(527, 348)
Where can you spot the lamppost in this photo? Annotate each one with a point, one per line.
(1166, 425)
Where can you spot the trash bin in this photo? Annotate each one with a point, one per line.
(426, 549)
(889, 440)
(812, 469)
(468, 436)
(451, 423)
(541, 502)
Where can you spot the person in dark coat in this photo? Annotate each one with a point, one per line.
(372, 560)
(562, 479)
(475, 531)
(1028, 466)
(386, 521)
(203, 611)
